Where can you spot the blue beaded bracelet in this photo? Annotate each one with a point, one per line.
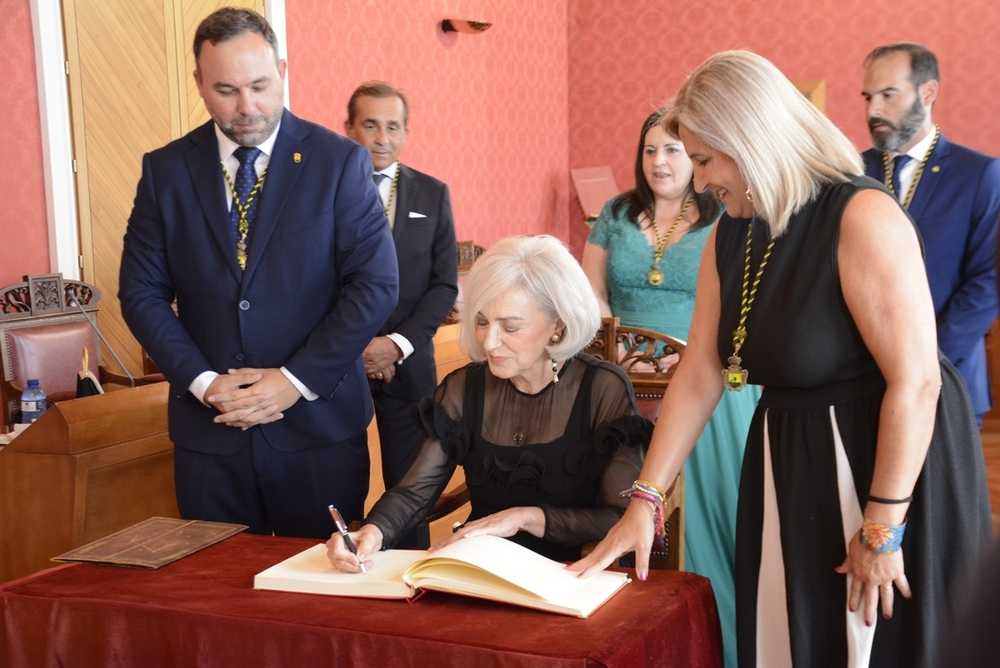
(880, 537)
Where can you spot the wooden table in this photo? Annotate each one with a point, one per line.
(203, 611)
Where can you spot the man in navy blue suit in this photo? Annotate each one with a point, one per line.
(268, 232)
(400, 360)
(950, 191)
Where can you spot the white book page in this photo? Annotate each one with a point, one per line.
(548, 580)
(311, 571)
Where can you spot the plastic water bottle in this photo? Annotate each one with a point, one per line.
(33, 402)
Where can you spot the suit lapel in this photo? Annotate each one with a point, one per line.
(282, 172)
(405, 187)
(206, 178)
(934, 172)
(874, 167)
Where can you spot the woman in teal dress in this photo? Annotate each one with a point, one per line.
(642, 259)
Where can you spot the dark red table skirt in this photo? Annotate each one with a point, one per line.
(203, 611)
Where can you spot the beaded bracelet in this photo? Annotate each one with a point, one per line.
(640, 490)
(880, 537)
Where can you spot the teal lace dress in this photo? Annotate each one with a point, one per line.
(712, 472)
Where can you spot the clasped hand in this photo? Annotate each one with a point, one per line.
(380, 358)
(247, 397)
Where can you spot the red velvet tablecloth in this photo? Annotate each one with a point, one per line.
(203, 611)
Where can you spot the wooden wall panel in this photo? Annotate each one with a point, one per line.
(121, 109)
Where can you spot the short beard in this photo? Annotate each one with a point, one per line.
(898, 136)
(253, 138)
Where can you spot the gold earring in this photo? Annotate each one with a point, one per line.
(555, 371)
(556, 337)
(749, 196)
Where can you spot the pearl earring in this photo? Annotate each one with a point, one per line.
(749, 196)
(555, 371)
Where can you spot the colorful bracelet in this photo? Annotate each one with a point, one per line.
(651, 486)
(880, 537)
(879, 499)
(651, 495)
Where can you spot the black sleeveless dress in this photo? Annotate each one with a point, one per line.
(569, 449)
(810, 457)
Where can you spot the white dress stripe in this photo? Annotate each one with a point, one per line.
(774, 646)
(859, 636)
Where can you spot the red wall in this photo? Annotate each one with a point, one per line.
(487, 111)
(627, 57)
(24, 236)
(501, 116)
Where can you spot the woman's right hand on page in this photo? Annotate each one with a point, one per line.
(634, 532)
(367, 540)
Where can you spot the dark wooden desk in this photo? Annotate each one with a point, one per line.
(202, 611)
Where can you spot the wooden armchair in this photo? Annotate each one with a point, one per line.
(468, 253)
(649, 358)
(43, 331)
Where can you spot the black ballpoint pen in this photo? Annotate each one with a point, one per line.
(342, 528)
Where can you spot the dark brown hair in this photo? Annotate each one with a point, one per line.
(229, 22)
(378, 89)
(641, 199)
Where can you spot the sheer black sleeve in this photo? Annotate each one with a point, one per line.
(618, 430)
(403, 507)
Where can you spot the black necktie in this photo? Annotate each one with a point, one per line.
(245, 198)
(897, 164)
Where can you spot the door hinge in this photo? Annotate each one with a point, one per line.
(74, 165)
(80, 260)
(67, 67)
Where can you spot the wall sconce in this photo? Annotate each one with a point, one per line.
(460, 25)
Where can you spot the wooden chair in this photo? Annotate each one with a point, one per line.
(468, 253)
(649, 358)
(43, 333)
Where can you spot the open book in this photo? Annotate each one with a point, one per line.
(482, 566)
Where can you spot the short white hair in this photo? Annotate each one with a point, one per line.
(740, 104)
(544, 268)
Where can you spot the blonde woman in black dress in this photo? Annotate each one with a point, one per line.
(863, 497)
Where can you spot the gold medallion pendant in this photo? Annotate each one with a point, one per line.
(735, 376)
(655, 276)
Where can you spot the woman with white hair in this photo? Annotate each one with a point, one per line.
(863, 483)
(547, 435)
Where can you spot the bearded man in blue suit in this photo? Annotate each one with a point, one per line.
(268, 232)
(950, 191)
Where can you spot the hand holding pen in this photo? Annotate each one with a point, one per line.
(341, 525)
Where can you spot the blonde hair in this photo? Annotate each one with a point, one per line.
(544, 268)
(740, 104)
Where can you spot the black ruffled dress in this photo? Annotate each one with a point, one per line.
(569, 449)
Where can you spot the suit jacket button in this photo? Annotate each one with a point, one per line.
(239, 357)
(244, 305)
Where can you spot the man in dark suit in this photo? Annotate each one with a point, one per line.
(267, 231)
(400, 360)
(953, 194)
